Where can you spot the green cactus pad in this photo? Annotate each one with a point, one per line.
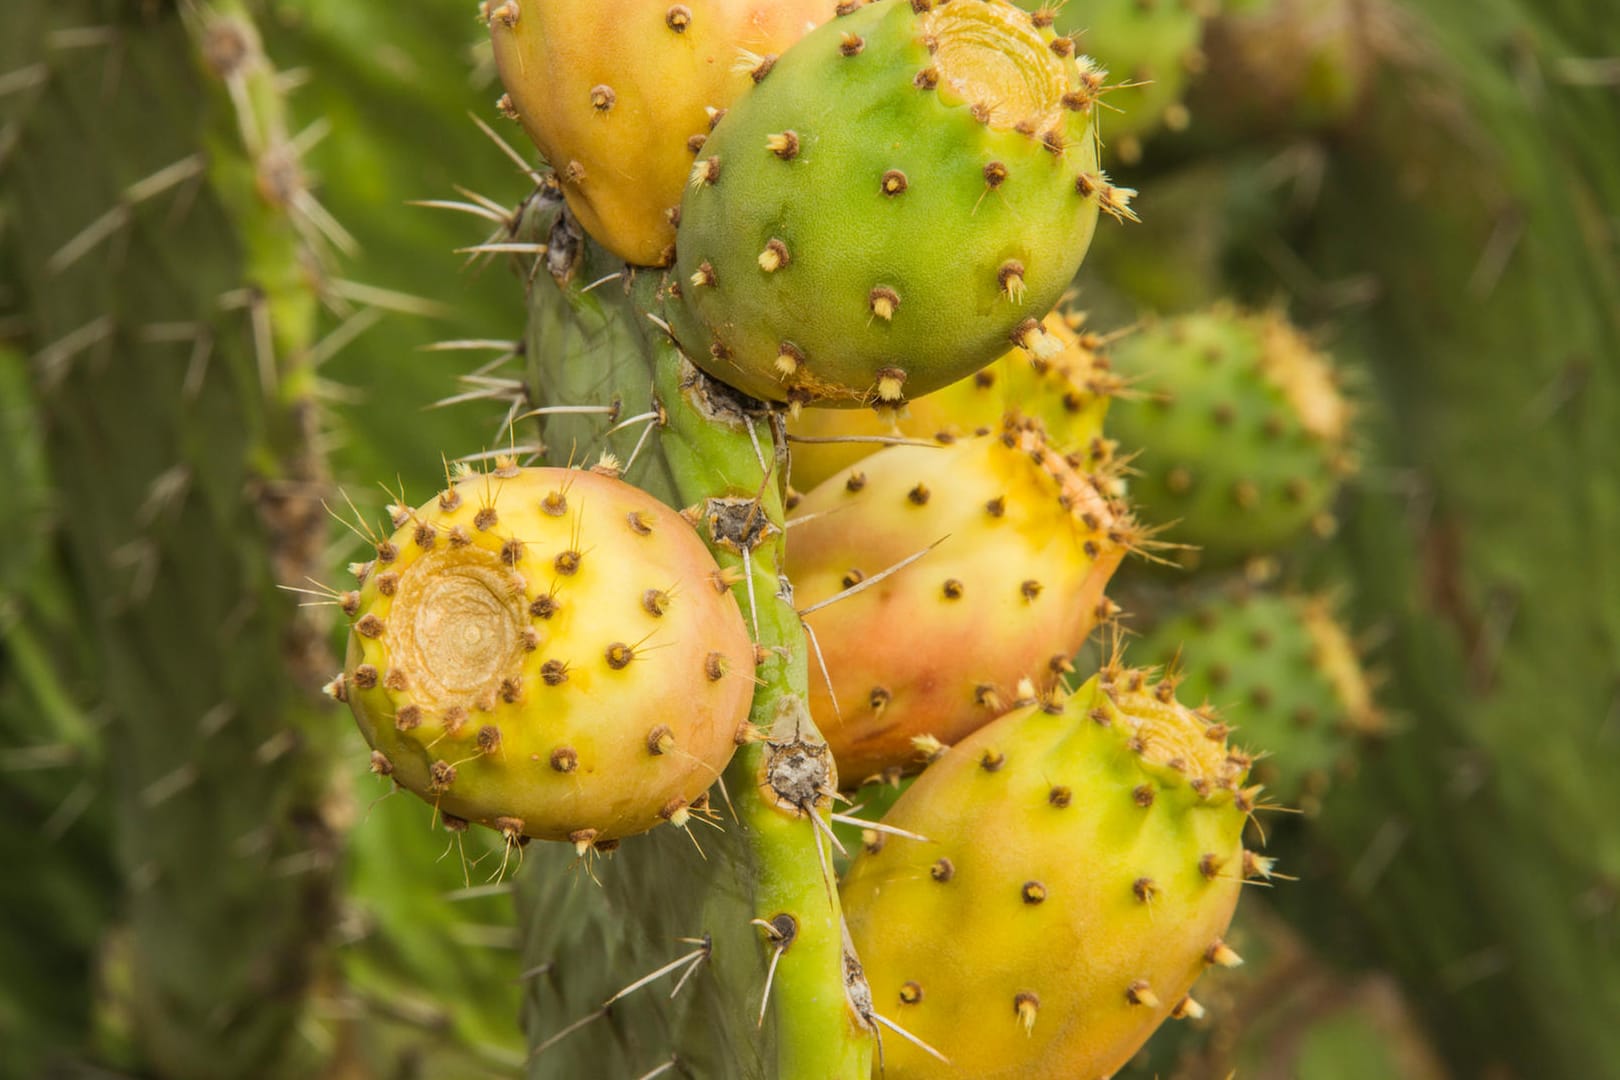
(1286, 674)
(1240, 432)
(1081, 860)
(908, 190)
(549, 652)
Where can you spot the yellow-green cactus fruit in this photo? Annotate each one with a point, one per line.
(550, 652)
(620, 97)
(1082, 860)
(1010, 548)
(1068, 392)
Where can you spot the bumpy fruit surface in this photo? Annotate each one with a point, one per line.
(1067, 392)
(1241, 430)
(1149, 49)
(619, 96)
(1083, 859)
(1286, 674)
(991, 615)
(906, 191)
(549, 652)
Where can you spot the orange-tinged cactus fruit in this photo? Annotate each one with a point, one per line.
(621, 96)
(1023, 546)
(550, 652)
(1068, 392)
(1082, 859)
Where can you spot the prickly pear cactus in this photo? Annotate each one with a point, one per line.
(1241, 434)
(944, 584)
(1059, 881)
(620, 97)
(1067, 392)
(552, 653)
(168, 307)
(906, 192)
(1149, 48)
(1287, 674)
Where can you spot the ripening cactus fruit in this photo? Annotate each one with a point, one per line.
(620, 97)
(549, 652)
(1285, 673)
(908, 190)
(1067, 392)
(990, 616)
(1082, 859)
(1241, 432)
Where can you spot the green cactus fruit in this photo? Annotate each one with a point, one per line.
(1287, 675)
(1241, 429)
(1149, 48)
(620, 97)
(549, 652)
(1291, 63)
(1023, 546)
(1068, 393)
(1082, 859)
(907, 190)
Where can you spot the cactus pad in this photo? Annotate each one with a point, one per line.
(1083, 860)
(549, 652)
(906, 191)
(1242, 430)
(619, 97)
(991, 615)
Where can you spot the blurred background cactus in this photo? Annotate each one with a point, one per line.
(222, 322)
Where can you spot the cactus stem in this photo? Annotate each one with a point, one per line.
(690, 961)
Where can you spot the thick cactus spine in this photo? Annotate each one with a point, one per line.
(907, 190)
(1082, 858)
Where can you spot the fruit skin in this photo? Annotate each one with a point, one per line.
(1084, 857)
(1025, 547)
(613, 94)
(1068, 392)
(1241, 433)
(854, 233)
(549, 654)
(1285, 673)
(1149, 50)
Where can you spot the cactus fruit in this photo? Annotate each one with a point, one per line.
(1242, 431)
(1286, 674)
(989, 616)
(906, 190)
(1068, 393)
(620, 97)
(1084, 857)
(549, 652)
(1150, 49)
(1292, 63)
